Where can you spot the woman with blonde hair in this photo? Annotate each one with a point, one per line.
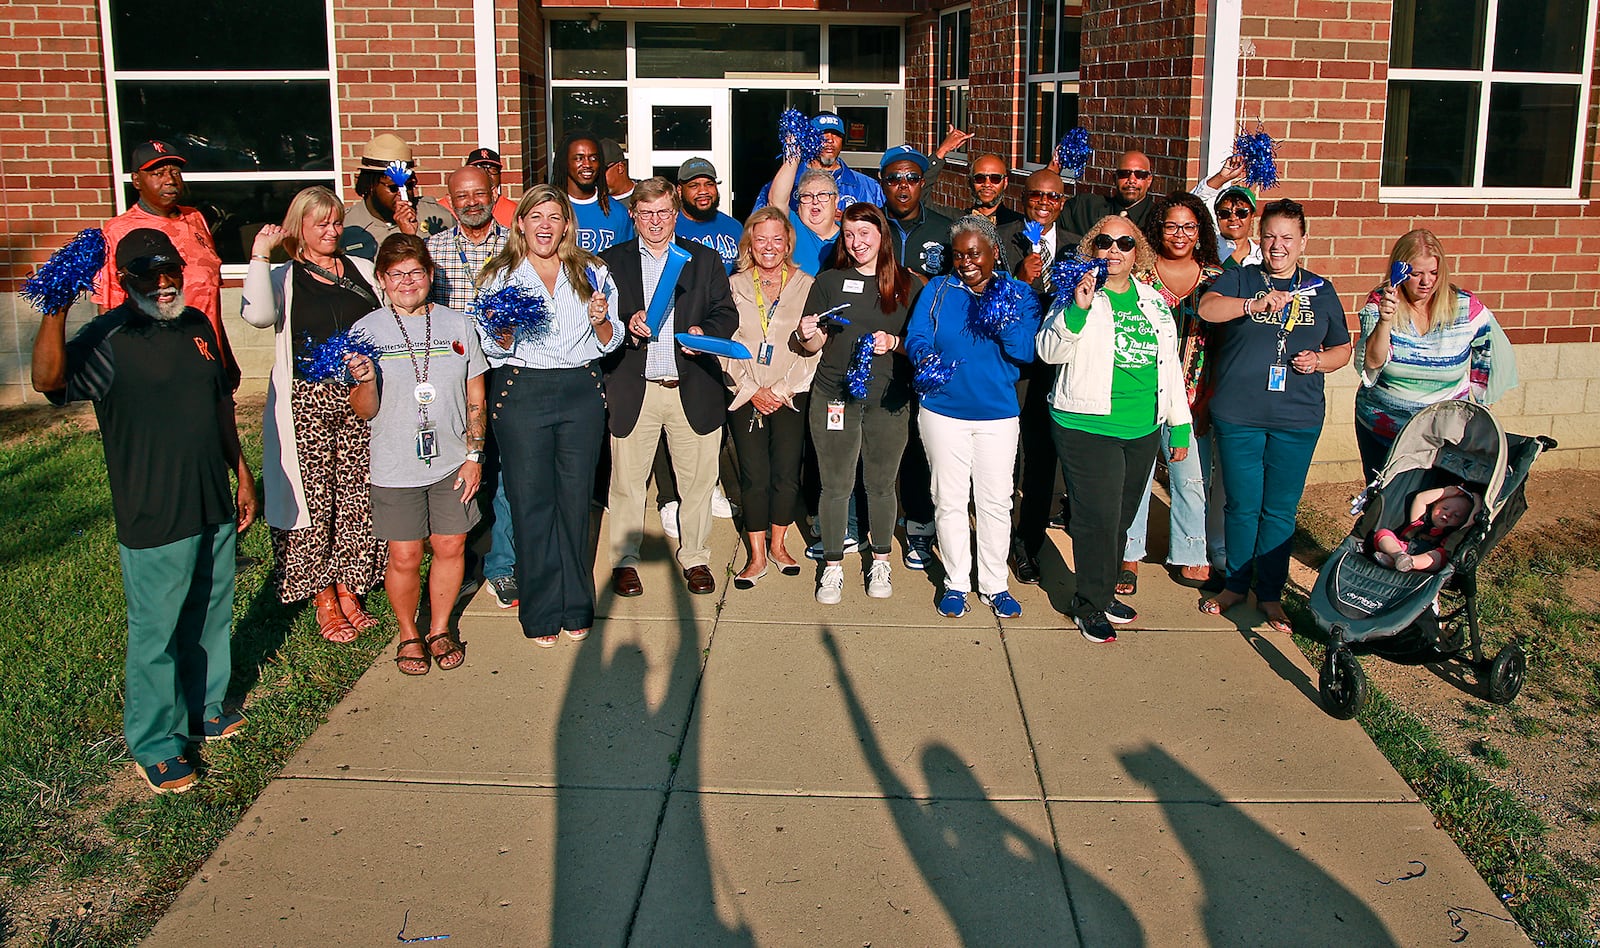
(548, 410)
(316, 447)
(1423, 340)
(767, 414)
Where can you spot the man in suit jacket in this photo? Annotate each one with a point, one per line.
(658, 386)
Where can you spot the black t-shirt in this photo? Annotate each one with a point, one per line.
(158, 389)
(322, 309)
(890, 385)
(1244, 349)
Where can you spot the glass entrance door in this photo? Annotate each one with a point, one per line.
(668, 126)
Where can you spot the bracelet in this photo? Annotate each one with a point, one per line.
(1247, 303)
(256, 256)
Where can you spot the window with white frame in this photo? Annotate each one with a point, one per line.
(955, 59)
(251, 108)
(1487, 98)
(1050, 86)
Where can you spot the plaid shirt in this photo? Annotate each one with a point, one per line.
(457, 261)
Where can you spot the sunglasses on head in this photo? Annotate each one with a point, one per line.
(1138, 174)
(1123, 243)
(988, 177)
(1230, 213)
(904, 177)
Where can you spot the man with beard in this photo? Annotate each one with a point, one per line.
(488, 161)
(1131, 199)
(988, 183)
(380, 212)
(161, 395)
(602, 222)
(158, 177)
(700, 220)
(852, 185)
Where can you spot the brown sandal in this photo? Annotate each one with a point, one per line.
(456, 650)
(350, 605)
(331, 622)
(422, 660)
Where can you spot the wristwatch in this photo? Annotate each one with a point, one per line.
(475, 456)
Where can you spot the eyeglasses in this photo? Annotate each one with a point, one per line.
(1192, 228)
(819, 197)
(406, 276)
(1045, 197)
(1231, 213)
(654, 215)
(1138, 174)
(461, 197)
(988, 177)
(1123, 243)
(904, 177)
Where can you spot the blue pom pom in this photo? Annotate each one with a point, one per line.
(512, 309)
(327, 361)
(1069, 268)
(1034, 231)
(1259, 153)
(797, 137)
(859, 373)
(998, 309)
(68, 272)
(932, 373)
(1073, 152)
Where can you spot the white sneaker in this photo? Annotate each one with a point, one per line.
(878, 586)
(669, 520)
(719, 504)
(830, 589)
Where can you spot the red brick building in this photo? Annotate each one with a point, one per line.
(1476, 120)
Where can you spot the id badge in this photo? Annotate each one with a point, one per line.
(836, 416)
(427, 443)
(1277, 377)
(764, 354)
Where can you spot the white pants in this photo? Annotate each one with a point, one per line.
(971, 461)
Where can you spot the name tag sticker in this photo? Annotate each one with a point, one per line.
(855, 286)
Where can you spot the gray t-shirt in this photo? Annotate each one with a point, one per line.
(449, 361)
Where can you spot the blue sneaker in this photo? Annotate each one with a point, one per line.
(919, 551)
(173, 775)
(1003, 605)
(953, 604)
(221, 727)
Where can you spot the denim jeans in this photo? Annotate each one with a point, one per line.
(501, 560)
(1196, 526)
(1265, 469)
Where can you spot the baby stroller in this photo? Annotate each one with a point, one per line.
(1420, 618)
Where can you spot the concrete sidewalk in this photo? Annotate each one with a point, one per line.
(753, 768)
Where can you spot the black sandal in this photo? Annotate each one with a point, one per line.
(1127, 583)
(425, 659)
(456, 648)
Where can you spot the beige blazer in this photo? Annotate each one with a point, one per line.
(792, 367)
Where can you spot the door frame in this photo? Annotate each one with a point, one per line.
(644, 157)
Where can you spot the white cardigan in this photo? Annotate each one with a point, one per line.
(1084, 386)
(268, 296)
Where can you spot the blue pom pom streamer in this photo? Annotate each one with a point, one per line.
(932, 373)
(859, 373)
(1073, 152)
(998, 309)
(68, 272)
(327, 361)
(1259, 154)
(797, 137)
(512, 309)
(1069, 268)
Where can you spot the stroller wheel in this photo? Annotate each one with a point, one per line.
(1343, 685)
(1506, 674)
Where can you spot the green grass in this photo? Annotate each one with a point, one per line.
(62, 640)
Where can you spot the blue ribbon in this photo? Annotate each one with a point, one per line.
(661, 300)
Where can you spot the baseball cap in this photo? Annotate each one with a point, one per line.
(828, 122)
(904, 153)
(611, 152)
(145, 249)
(384, 149)
(155, 153)
(696, 168)
(484, 156)
(1236, 193)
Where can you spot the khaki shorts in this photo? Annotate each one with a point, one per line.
(413, 513)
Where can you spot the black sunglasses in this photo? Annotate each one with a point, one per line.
(1048, 197)
(1106, 242)
(1136, 173)
(1228, 214)
(988, 177)
(904, 177)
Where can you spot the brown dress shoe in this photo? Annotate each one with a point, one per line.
(625, 582)
(700, 580)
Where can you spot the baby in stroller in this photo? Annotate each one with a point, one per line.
(1419, 545)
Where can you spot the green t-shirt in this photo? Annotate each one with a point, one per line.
(1134, 375)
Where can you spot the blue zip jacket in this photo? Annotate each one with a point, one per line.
(984, 386)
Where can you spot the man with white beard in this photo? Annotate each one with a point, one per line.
(852, 185)
(153, 369)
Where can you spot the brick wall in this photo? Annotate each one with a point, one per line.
(994, 102)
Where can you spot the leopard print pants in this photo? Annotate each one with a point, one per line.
(338, 546)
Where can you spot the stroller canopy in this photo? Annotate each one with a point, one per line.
(1460, 437)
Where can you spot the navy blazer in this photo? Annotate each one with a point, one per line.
(701, 298)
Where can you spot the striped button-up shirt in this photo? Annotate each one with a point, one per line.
(457, 262)
(660, 361)
(571, 341)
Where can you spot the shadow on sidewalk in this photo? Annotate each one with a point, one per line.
(1256, 888)
(975, 860)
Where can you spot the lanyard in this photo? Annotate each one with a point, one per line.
(421, 373)
(1289, 317)
(767, 309)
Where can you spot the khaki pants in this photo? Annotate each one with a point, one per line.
(694, 463)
